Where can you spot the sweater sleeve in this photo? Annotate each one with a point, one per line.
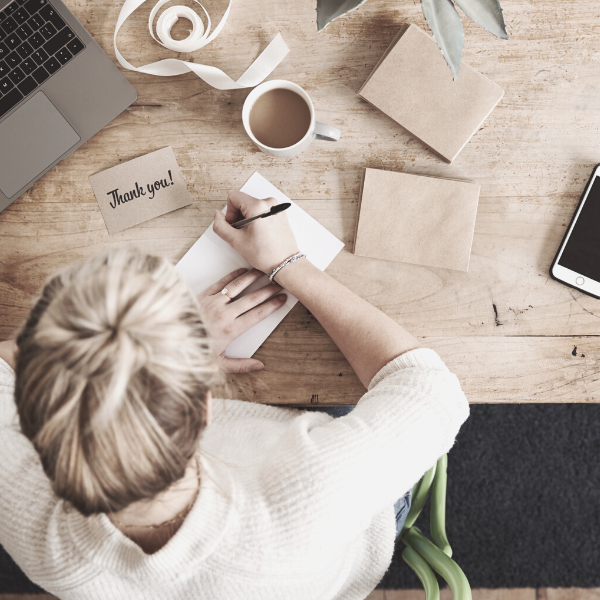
(347, 470)
(22, 484)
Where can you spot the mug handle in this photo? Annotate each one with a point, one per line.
(326, 132)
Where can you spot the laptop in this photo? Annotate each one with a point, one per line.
(57, 89)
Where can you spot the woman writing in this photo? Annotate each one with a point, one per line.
(121, 477)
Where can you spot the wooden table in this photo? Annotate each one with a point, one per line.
(510, 332)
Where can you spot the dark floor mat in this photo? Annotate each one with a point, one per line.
(12, 579)
(523, 506)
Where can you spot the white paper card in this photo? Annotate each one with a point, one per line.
(210, 259)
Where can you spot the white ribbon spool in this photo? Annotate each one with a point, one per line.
(199, 37)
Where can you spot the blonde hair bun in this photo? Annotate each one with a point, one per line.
(113, 369)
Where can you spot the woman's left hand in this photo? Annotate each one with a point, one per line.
(228, 316)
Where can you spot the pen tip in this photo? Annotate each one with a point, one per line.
(279, 207)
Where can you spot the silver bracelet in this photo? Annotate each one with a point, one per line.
(287, 261)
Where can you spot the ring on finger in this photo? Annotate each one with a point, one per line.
(235, 287)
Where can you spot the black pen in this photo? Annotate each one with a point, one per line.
(274, 210)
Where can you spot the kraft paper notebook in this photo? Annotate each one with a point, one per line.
(425, 221)
(413, 85)
(210, 259)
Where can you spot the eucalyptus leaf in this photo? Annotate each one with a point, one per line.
(329, 10)
(447, 29)
(487, 14)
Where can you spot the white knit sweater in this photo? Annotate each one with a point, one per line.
(292, 505)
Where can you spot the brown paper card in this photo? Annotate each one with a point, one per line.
(425, 221)
(140, 189)
(413, 85)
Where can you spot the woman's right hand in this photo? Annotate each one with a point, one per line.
(264, 243)
(368, 338)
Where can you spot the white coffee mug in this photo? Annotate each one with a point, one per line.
(316, 130)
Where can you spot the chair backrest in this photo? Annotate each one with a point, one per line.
(423, 555)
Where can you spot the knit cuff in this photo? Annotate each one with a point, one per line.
(423, 358)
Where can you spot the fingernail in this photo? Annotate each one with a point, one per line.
(282, 297)
(258, 367)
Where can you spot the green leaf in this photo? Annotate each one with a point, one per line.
(447, 29)
(487, 14)
(329, 10)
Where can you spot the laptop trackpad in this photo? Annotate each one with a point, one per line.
(31, 139)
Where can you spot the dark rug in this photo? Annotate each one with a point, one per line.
(523, 505)
(12, 579)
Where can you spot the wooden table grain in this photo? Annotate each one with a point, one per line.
(509, 331)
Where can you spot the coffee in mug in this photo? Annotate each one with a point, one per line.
(279, 117)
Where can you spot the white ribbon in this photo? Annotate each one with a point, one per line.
(199, 37)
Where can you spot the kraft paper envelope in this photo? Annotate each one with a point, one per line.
(413, 85)
(420, 220)
(140, 189)
(210, 259)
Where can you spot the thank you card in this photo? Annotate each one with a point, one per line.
(140, 189)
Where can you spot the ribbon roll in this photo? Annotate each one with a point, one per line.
(199, 37)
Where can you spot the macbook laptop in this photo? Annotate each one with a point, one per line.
(57, 89)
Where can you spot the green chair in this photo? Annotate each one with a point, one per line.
(423, 555)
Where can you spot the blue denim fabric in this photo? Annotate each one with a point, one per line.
(402, 505)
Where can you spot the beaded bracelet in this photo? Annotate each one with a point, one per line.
(287, 261)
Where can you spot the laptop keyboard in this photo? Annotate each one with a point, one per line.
(35, 43)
